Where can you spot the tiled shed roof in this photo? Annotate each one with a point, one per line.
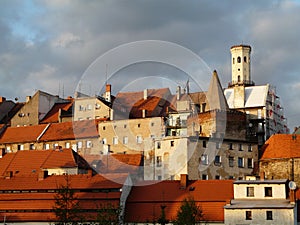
(211, 195)
(281, 146)
(53, 115)
(29, 162)
(23, 134)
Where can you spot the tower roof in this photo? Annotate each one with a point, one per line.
(215, 95)
(241, 45)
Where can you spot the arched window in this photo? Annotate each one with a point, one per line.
(238, 59)
(245, 59)
(233, 59)
(239, 78)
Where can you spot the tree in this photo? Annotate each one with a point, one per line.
(162, 219)
(189, 213)
(107, 214)
(66, 207)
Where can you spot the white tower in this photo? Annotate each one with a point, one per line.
(240, 64)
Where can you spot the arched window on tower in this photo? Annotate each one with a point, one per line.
(239, 78)
(233, 59)
(245, 59)
(238, 59)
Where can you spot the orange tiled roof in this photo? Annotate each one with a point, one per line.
(29, 162)
(22, 134)
(211, 195)
(134, 102)
(281, 146)
(53, 115)
(116, 163)
(71, 130)
(26, 198)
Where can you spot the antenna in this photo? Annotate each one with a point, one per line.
(63, 91)
(106, 74)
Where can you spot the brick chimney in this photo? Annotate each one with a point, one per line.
(2, 152)
(183, 181)
(262, 175)
(42, 174)
(2, 99)
(108, 92)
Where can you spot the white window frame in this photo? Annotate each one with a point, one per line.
(115, 140)
(125, 140)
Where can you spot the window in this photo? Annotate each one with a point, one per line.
(249, 148)
(218, 145)
(240, 147)
(230, 146)
(104, 141)
(159, 177)
(158, 145)
(81, 108)
(248, 215)
(79, 144)
(268, 191)
(31, 147)
(203, 107)
(115, 140)
(233, 60)
(250, 191)
(231, 161)
(152, 124)
(125, 126)
(269, 215)
(67, 145)
(89, 107)
(204, 177)
(158, 161)
(239, 59)
(89, 144)
(20, 147)
(250, 163)
(46, 146)
(217, 160)
(245, 59)
(125, 140)
(240, 162)
(172, 143)
(204, 144)
(217, 177)
(139, 139)
(204, 159)
(103, 128)
(239, 78)
(139, 125)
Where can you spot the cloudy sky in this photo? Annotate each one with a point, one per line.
(49, 45)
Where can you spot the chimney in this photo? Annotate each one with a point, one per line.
(292, 196)
(108, 93)
(28, 98)
(2, 152)
(262, 175)
(145, 94)
(90, 173)
(178, 92)
(144, 113)
(183, 181)
(42, 174)
(2, 99)
(8, 174)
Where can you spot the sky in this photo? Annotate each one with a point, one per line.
(52, 45)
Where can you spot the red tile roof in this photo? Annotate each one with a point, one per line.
(53, 115)
(29, 162)
(210, 195)
(22, 134)
(71, 130)
(26, 198)
(281, 146)
(134, 102)
(116, 163)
